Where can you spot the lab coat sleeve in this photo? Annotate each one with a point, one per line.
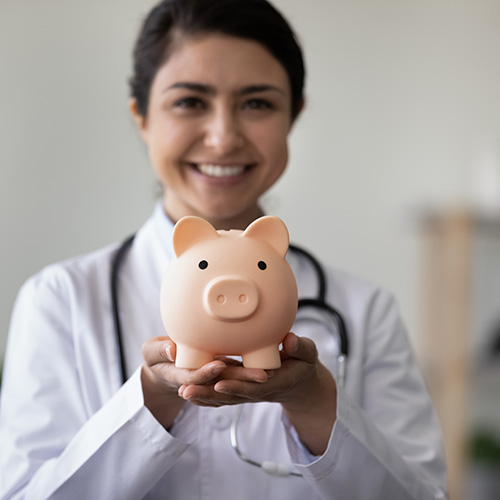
(388, 445)
(51, 447)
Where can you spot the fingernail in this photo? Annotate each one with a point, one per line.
(214, 372)
(169, 354)
(222, 389)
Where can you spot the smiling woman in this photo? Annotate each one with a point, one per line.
(217, 87)
(217, 140)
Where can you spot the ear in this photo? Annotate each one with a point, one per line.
(272, 230)
(190, 230)
(139, 120)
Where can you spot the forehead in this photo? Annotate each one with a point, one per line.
(223, 61)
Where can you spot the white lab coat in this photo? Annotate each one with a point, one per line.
(69, 430)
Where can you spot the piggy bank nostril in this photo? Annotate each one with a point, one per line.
(221, 299)
(243, 298)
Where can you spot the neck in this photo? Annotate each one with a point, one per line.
(239, 222)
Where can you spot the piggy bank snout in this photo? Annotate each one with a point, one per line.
(231, 297)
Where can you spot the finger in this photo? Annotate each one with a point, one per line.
(239, 374)
(237, 390)
(179, 377)
(207, 396)
(246, 374)
(301, 348)
(203, 375)
(159, 353)
(159, 350)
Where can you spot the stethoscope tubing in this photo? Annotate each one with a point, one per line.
(115, 269)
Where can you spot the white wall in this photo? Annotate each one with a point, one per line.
(402, 96)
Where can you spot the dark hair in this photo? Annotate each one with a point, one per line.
(256, 20)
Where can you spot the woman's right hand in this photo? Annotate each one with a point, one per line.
(161, 379)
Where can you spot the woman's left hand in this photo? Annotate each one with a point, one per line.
(304, 387)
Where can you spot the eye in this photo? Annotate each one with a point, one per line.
(203, 264)
(262, 265)
(189, 103)
(257, 103)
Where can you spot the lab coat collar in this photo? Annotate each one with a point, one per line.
(163, 228)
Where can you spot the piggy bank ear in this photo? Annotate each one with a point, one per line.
(189, 231)
(272, 230)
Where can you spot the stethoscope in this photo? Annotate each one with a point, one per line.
(318, 302)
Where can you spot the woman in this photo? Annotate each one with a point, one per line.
(217, 86)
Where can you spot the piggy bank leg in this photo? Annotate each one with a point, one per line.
(189, 357)
(267, 358)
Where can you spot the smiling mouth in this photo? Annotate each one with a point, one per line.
(220, 171)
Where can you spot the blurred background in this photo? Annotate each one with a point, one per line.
(394, 171)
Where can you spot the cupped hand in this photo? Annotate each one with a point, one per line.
(293, 383)
(303, 385)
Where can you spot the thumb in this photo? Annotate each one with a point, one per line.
(301, 348)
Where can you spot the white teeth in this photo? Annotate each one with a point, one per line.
(220, 171)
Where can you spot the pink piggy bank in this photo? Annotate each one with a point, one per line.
(229, 292)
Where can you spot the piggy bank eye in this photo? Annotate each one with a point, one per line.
(262, 265)
(203, 264)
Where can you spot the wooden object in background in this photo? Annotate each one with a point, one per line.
(443, 342)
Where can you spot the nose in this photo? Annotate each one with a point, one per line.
(223, 132)
(230, 297)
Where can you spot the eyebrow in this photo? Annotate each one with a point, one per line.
(210, 90)
(197, 87)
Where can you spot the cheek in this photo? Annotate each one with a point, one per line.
(166, 144)
(272, 142)
(278, 153)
